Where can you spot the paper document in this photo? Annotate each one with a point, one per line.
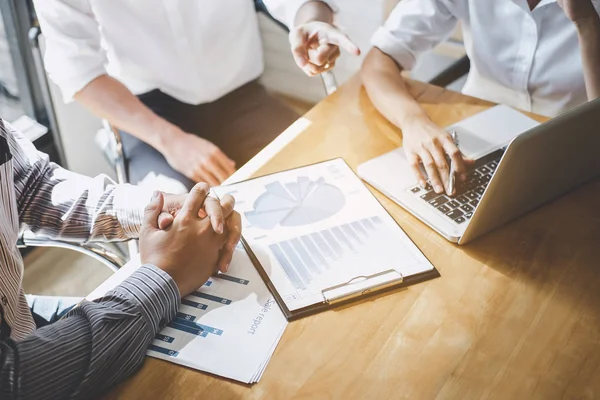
(316, 227)
(229, 327)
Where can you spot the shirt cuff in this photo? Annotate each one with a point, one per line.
(74, 84)
(386, 42)
(155, 292)
(129, 203)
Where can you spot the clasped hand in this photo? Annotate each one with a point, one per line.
(190, 236)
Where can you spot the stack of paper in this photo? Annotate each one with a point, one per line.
(229, 327)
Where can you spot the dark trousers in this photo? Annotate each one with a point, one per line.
(240, 123)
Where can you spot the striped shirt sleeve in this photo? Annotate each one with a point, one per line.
(57, 203)
(95, 346)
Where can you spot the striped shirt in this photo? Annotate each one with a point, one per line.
(99, 343)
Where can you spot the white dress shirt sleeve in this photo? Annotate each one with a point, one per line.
(415, 26)
(286, 10)
(73, 55)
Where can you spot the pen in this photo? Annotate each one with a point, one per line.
(452, 177)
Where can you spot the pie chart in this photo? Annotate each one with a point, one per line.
(295, 203)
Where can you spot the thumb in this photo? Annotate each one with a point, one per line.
(153, 210)
(336, 37)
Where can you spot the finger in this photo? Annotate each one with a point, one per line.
(321, 55)
(234, 233)
(153, 210)
(335, 36)
(165, 220)
(195, 200)
(312, 70)
(298, 42)
(204, 175)
(227, 204)
(443, 169)
(455, 156)
(414, 162)
(215, 213)
(432, 172)
(226, 163)
(217, 170)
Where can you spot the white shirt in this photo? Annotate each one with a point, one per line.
(193, 50)
(526, 59)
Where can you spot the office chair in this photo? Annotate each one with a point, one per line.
(108, 254)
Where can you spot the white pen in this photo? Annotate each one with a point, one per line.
(452, 177)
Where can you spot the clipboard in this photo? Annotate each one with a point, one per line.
(359, 287)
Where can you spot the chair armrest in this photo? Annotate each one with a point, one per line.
(454, 72)
(97, 251)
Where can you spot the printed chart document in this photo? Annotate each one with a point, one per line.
(317, 231)
(229, 327)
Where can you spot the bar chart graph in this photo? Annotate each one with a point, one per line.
(303, 259)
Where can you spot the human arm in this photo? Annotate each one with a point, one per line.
(101, 343)
(97, 345)
(587, 22)
(58, 203)
(75, 61)
(413, 27)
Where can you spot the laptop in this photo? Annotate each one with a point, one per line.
(538, 163)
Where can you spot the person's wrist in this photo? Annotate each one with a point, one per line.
(168, 136)
(414, 122)
(589, 22)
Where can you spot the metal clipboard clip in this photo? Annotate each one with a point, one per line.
(362, 285)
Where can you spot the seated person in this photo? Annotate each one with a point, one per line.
(100, 343)
(539, 56)
(179, 76)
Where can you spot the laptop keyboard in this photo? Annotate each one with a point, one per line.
(460, 207)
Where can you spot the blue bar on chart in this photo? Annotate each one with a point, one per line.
(195, 325)
(342, 238)
(232, 279)
(306, 258)
(162, 350)
(359, 228)
(333, 243)
(368, 224)
(164, 338)
(293, 257)
(186, 316)
(191, 303)
(318, 239)
(208, 283)
(287, 267)
(210, 297)
(314, 251)
(349, 232)
(188, 329)
(376, 220)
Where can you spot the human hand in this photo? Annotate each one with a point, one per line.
(189, 250)
(222, 217)
(427, 144)
(578, 10)
(316, 46)
(198, 159)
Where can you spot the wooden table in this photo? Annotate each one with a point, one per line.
(515, 315)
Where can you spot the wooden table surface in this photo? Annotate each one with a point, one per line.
(514, 315)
